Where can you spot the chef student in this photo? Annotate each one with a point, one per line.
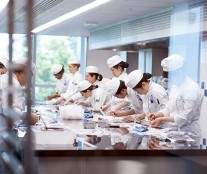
(154, 96)
(73, 66)
(93, 76)
(96, 97)
(18, 80)
(117, 67)
(62, 80)
(185, 100)
(118, 89)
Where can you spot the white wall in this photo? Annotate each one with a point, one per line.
(99, 58)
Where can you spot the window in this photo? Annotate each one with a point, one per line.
(52, 50)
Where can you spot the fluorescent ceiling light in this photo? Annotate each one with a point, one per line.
(3, 4)
(70, 15)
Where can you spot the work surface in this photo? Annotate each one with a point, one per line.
(105, 136)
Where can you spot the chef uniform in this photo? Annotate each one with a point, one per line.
(75, 79)
(98, 96)
(185, 100)
(132, 96)
(156, 96)
(111, 62)
(61, 84)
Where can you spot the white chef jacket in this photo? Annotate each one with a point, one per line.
(72, 87)
(135, 99)
(114, 100)
(62, 84)
(18, 100)
(79, 97)
(100, 85)
(98, 98)
(155, 99)
(185, 106)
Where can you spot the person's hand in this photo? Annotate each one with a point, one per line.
(68, 101)
(139, 116)
(50, 97)
(129, 118)
(80, 103)
(59, 100)
(111, 113)
(117, 114)
(156, 122)
(104, 107)
(151, 116)
(34, 119)
(123, 130)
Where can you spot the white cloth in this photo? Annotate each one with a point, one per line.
(123, 76)
(92, 69)
(62, 84)
(100, 85)
(135, 99)
(72, 87)
(98, 98)
(185, 106)
(57, 68)
(172, 62)
(83, 85)
(73, 61)
(113, 86)
(155, 99)
(113, 61)
(133, 78)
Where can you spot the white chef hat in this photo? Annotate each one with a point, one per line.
(5, 62)
(23, 61)
(83, 85)
(112, 61)
(92, 69)
(73, 61)
(57, 68)
(172, 62)
(113, 86)
(133, 78)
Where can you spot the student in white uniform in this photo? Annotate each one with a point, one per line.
(62, 80)
(185, 100)
(73, 66)
(154, 96)
(93, 76)
(117, 67)
(118, 89)
(96, 97)
(18, 80)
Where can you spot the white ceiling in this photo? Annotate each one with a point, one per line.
(107, 14)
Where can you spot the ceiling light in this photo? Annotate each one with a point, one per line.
(3, 4)
(70, 15)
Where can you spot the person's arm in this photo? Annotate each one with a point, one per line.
(160, 120)
(120, 106)
(123, 113)
(83, 103)
(55, 95)
(76, 97)
(72, 87)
